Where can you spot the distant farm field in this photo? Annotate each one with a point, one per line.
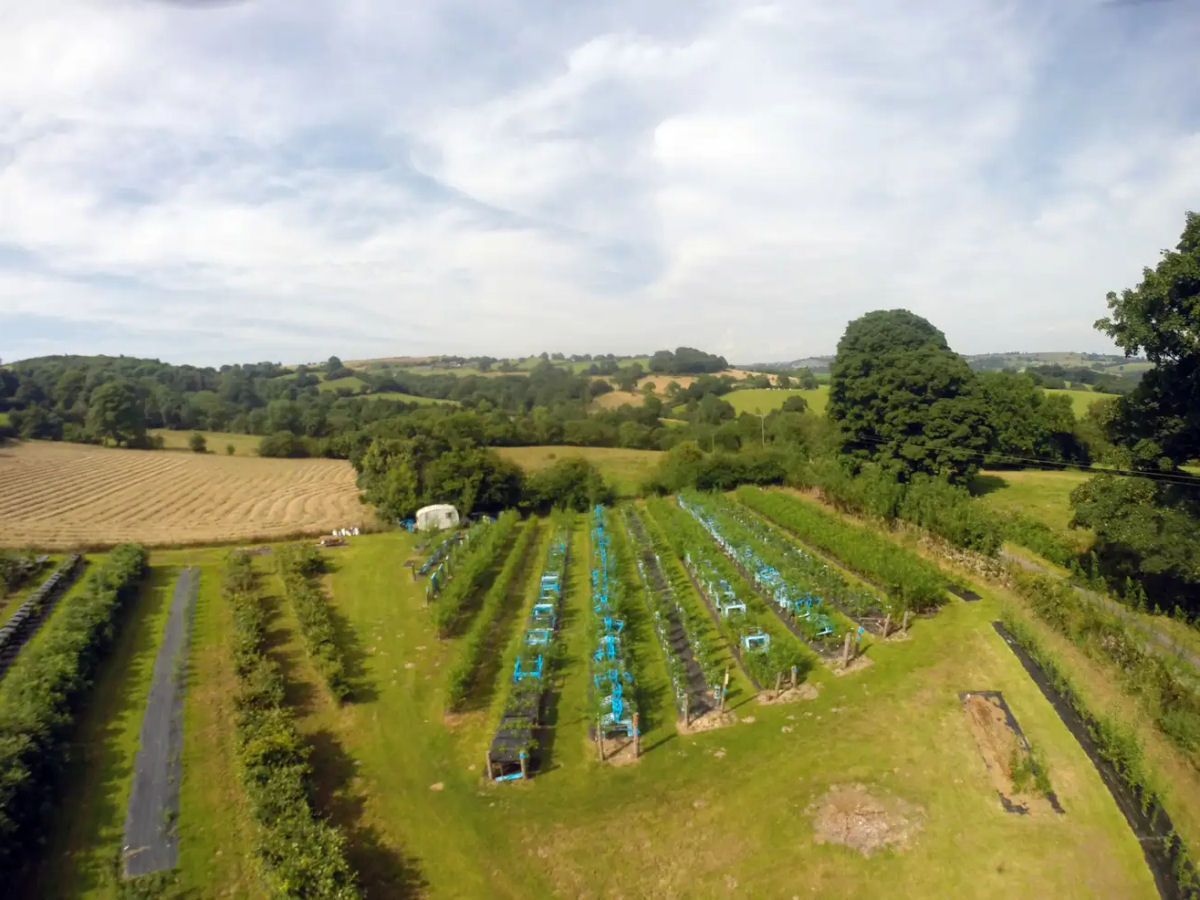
(215, 441)
(765, 400)
(1081, 401)
(1040, 494)
(65, 495)
(623, 469)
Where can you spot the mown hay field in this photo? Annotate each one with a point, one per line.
(58, 495)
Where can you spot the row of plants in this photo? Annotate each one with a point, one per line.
(931, 503)
(301, 854)
(454, 604)
(42, 694)
(463, 672)
(613, 691)
(1168, 689)
(24, 622)
(664, 603)
(912, 581)
(713, 572)
(1043, 540)
(299, 565)
(1116, 743)
(789, 573)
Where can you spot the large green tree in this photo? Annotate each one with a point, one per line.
(115, 413)
(900, 396)
(1159, 422)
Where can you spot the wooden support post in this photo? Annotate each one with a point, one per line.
(524, 765)
(794, 673)
(778, 681)
(686, 709)
(846, 650)
(887, 624)
(904, 627)
(600, 740)
(637, 737)
(488, 764)
(724, 688)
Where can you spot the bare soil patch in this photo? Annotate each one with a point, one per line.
(803, 691)
(1001, 744)
(709, 721)
(852, 815)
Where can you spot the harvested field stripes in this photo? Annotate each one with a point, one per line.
(765, 647)
(473, 672)
(151, 842)
(515, 750)
(693, 663)
(912, 581)
(64, 495)
(24, 623)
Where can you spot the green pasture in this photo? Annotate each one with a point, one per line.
(215, 441)
(764, 400)
(1081, 400)
(701, 815)
(409, 398)
(624, 469)
(1044, 495)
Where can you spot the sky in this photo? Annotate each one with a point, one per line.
(215, 182)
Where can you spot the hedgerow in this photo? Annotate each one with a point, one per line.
(463, 672)
(898, 571)
(41, 695)
(452, 607)
(1169, 694)
(939, 507)
(303, 856)
(298, 565)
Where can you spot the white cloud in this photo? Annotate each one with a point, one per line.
(272, 180)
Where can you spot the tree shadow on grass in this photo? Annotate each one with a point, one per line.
(985, 484)
(354, 655)
(382, 870)
(299, 694)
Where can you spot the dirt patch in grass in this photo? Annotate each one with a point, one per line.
(850, 814)
(620, 751)
(803, 691)
(1002, 747)
(709, 721)
(856, 665)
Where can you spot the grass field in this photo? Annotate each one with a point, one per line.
(624, 469)
(409, 398)
(216, 441)
(765, 400)
(1081, 400)
(66, 495)
(352, 383)
(704, 815)
(1041, 495)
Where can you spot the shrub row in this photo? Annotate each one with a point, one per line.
(706, 563)
(462, 672)
(1040, 538)
(918, 583)
(41, 695)
(1170, 695)
(1115, 742)
(303, 856)
(452, 607)
(801, 571)
(933, 504)
(299, 565)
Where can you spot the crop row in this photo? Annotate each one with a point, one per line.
(302, 855)
(298, 566)
(798, 580)
(739, 613)
(477, 643)
(25, 621)
(614, 706)
(698, 652)
(42, 693)
(453, 607)
(912, 581)
(512, 751)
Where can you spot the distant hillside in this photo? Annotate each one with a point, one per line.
(1109, 364)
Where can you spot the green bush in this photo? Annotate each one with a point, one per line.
(41, 694)
(470, 575)
(900, 572)
(297, 566)
(303, 857)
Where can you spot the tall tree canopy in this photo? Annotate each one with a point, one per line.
(114, 413)
(902, 397)
(1159, 422)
